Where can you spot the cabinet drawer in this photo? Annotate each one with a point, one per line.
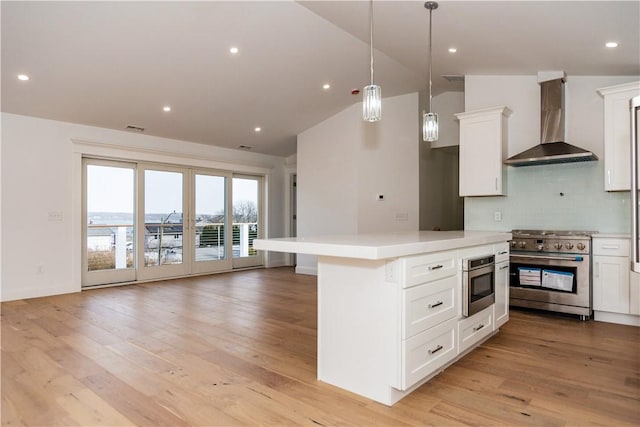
(501, 251)
(427, 352)
(474, 328)
(429, 304)
(427, 268)
(611, 247)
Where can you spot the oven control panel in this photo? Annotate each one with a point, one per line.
(573, 246)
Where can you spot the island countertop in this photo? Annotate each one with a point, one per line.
(382, 245)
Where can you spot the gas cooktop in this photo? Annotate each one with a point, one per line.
(564, 241)
(543, 234)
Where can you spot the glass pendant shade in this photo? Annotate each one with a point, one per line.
(372, 103)
(430, 127)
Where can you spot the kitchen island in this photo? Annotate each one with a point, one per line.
(390, 305)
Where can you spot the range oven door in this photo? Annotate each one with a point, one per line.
(549, 278)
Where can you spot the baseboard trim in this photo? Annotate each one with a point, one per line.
(311, 271)
(622, 319)
(277, 263)
(19, 294)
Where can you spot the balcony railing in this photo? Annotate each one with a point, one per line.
(110, 246)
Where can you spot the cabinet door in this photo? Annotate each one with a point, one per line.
(502, 294)
(611, 284)
(617, 136)
(482, 146)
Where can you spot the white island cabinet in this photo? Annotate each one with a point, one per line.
(390, 306)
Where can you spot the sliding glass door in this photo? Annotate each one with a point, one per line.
(247, 220)
(149, 221)
(208, 226)
(162, 238)
(109, 230)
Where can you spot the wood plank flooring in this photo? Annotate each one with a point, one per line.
(240, 349)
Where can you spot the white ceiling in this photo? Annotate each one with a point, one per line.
(113, 64)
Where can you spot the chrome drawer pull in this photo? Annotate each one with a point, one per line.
(477, 328)
(505, 267)
(436, 267)
(435, 305)
(503, 252)
(437, 349)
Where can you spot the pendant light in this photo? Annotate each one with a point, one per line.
(372, 98)
(430, 119)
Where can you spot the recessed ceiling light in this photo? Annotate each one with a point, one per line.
(452, 50)
(233, 50)
(258, 129)
(611, 44)
(23, 77)
(326, 86)
(166, 108)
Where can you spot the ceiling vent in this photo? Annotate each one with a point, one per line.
(134, 128)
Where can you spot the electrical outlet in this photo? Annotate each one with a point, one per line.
(497, 216)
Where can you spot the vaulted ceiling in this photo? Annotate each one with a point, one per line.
(113, 64)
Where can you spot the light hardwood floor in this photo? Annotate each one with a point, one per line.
(240, 349)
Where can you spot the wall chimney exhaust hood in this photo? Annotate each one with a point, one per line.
(552, 148)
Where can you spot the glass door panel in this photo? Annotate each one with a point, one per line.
(247, 222)
(209, 224)
(163, 237)
(109, 234)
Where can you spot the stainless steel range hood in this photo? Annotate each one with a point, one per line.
(552, 148)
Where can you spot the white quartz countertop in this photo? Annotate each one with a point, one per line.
(382, 246)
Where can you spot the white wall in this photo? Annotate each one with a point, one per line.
(533, 199)
(344, 162)
(40, 174)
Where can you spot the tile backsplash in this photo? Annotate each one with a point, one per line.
(567, 196)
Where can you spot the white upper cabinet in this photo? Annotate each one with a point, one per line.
(483, 148)
(617, 135)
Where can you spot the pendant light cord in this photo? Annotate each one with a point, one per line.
(371, 36)
(430, 61)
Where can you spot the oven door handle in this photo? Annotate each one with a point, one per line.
(557, 258)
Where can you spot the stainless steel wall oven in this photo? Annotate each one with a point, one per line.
(551, 270)
(478, 284)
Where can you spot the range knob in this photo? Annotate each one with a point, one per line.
(558, 245)
(540, 247)
(581, 246)
(513, 243)
(569, 246)
(522, 244)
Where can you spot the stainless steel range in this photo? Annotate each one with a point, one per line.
(551, 270)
